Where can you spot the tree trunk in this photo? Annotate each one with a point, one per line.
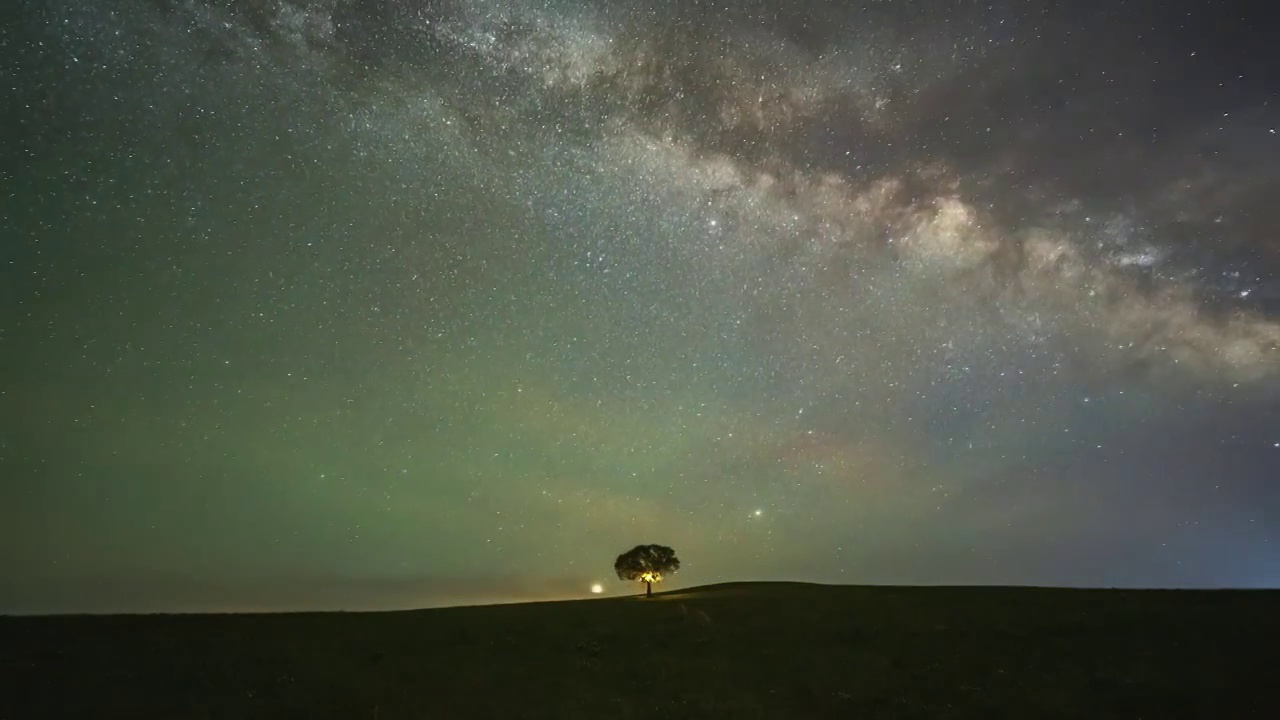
(648, 589)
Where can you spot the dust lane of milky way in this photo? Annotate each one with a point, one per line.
(331, 304)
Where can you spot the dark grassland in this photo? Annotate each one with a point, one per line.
(759, 650)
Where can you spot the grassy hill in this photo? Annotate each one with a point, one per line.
(741, 651)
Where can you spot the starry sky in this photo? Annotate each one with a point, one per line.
(326, 304)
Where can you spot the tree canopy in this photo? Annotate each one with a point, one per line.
(646, 563)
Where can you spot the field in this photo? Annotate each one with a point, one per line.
(741, 651)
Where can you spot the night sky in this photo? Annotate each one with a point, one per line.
(325, 304)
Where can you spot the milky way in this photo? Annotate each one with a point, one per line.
(331, 304)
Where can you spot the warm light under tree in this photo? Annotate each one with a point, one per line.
(646, 563)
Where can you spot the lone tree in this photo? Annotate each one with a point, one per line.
(646, 563)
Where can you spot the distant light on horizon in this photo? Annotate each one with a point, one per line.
(597, 589)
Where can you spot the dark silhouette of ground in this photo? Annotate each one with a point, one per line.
(740, 651)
